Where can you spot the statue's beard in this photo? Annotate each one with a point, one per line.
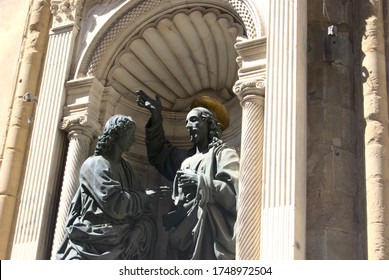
(194, 137)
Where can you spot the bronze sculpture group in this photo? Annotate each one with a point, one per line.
(110, 217)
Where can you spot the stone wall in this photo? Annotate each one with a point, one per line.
(13, 15)
(335, 173)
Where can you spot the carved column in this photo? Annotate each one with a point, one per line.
(284, 193)
(80, 135)
(32, 233)
(250, 89)
(81, 115)
(375, 97)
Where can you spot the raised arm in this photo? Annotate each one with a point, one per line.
(153, 105)
(161, 153)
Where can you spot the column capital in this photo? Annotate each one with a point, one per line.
(252, 72)
(79, 125)
(250, 88)
(66, 12)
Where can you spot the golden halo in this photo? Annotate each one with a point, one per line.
(215, 107)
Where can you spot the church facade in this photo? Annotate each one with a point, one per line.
(305, 84)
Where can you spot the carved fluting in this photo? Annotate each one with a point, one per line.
(250, 184)
(77, 153)
(284, 199)
(66, 11)
(42, 167)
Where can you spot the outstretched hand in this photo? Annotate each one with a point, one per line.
(145, 101)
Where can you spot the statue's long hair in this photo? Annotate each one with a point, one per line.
(214, 127)
(115, 127)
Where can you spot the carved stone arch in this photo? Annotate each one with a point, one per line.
(122, 23)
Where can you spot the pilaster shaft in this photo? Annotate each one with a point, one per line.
(284, 193)
(33, 230)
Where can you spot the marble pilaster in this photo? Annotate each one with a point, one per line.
(284, 192)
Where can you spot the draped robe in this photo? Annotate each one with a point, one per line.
(107, 217)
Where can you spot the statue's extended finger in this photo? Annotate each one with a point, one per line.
(139, 99)
(141, 92)
(142, 95)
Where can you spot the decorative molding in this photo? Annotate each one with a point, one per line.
(82, 107)
(66, 12)
(253, 68)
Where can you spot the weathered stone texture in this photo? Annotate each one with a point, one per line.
(332, 188)
(332, 244)
(11, 36)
